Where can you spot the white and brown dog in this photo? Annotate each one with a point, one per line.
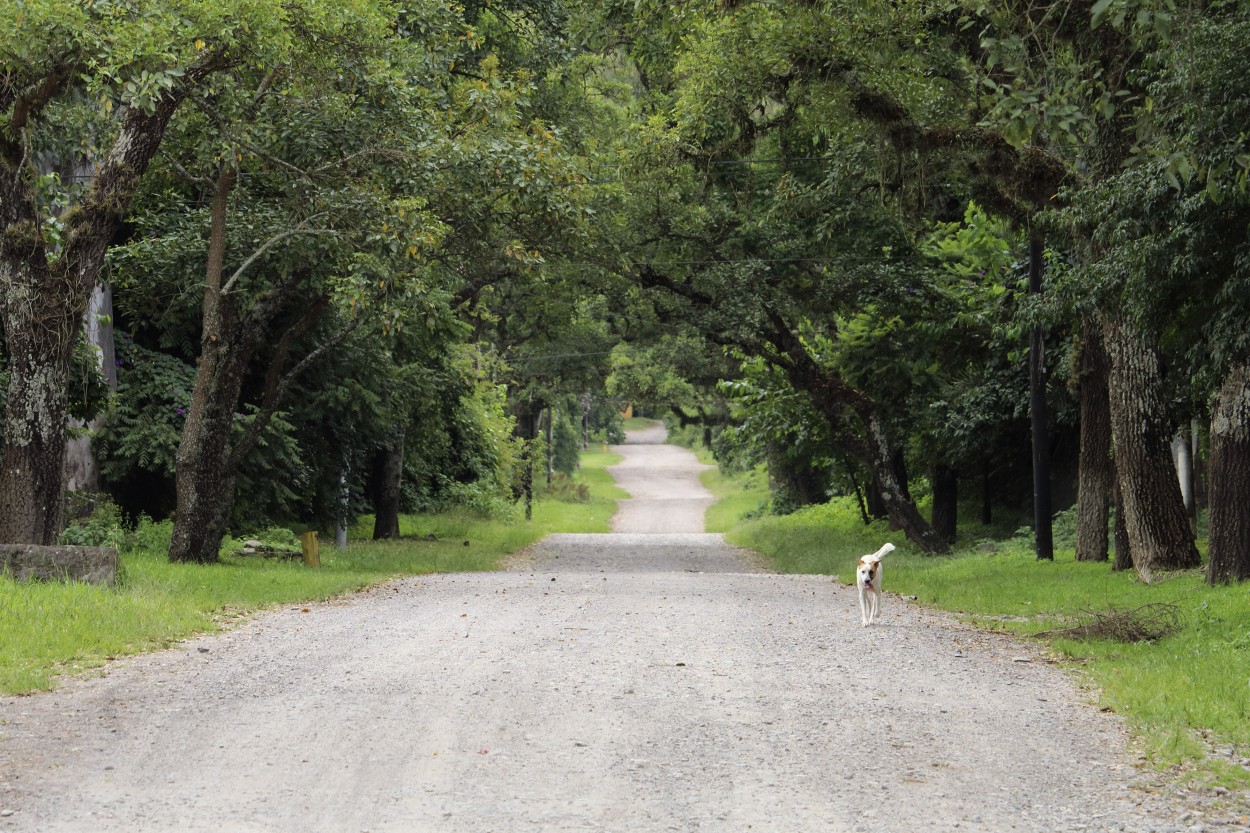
(868, 579)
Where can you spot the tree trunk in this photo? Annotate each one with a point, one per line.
(1096, 466)
(388, 471)
(1159, 534)
(1123, 552)
(793, 483)
(527, 430)
(1230, 480)
(1042, 531)
(82, 470)
(40, 326)
(946, 502)
(1183, 458)
(42, 301)
(205, 480)
(342, 508)
(551, 449)
(900, 509)
(874, 505)
(987, 495)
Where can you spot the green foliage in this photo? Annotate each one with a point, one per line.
(95, 521)
(138, 444)
(565, 445)
(145, 422)
(151, 536)
(466, 455)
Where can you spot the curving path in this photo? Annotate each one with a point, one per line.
(648, 680)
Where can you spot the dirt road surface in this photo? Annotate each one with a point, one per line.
(654, 679)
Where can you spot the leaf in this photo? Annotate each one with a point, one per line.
(1098, 12)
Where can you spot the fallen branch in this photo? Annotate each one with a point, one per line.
(1141, 624)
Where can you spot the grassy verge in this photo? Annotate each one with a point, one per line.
(49, 629)
(1186, 695)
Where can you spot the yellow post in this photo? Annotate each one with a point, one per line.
(308, 543)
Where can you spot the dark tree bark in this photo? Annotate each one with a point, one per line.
(387, 477)
(1042, 531)
(1096, 466)
(1230, 480)
(874, 505)
(41, 305)
(527, 430)
(794, 483)
(987, 495)
(1123, 552)
(946, 502)
(1159, 534)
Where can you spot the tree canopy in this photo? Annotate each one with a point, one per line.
(360, 252)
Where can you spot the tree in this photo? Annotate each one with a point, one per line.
(772, 145)
(61, 62)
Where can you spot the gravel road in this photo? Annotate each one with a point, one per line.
(653, 679)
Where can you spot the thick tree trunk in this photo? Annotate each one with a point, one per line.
(388, 471)
(204, 482)
(946, 502)
(1096, 466)
(1158, 530)
(42, 301)
(40, 327)
(874, 504)
(1230, 480)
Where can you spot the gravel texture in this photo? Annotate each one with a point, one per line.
(654, 679)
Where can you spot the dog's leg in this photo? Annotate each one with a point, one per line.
(863, 607)
(876, 606)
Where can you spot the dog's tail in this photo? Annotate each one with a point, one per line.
(879, 554)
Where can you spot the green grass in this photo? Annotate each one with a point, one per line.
(736, 497)
(1182, 695)
(48, 629)
(639, 423)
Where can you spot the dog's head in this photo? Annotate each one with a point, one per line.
(866, 572)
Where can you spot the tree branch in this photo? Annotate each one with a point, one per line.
(265, 247)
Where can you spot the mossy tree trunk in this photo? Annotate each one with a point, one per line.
(839, 402)
(44, 291)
